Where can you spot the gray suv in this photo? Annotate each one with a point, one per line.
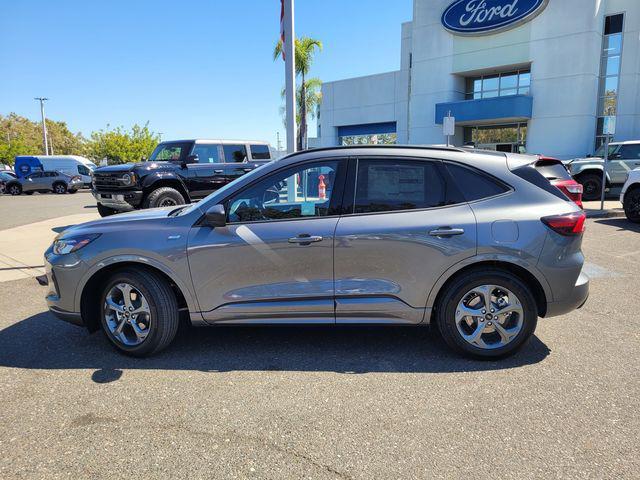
(476, 243)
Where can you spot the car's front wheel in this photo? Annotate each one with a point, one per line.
(139, 312)
(487, 314)
(163, 197)
(632, 204)
(14, 189)
(591, 185)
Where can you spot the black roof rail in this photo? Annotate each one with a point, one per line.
(441, 148)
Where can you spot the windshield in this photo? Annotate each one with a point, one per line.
(600, 150)
(220, 193)
(170, 152)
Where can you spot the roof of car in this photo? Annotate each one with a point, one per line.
(209, 140)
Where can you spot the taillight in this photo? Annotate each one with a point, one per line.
(569, 224)
(574, 188)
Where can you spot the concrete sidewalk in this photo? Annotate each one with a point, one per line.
(612, 208)
(22, 248)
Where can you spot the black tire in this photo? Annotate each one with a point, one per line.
(14, 189)
(59, 188)
(591, 185)
(106, 211)
(163, 305)
(29, 193)
(73, 191)
(632, 204)
(446, 311)
(163, 197)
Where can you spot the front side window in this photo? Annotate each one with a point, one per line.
(260, 152)
(170, 152)
(82, 170)
(35, 175)
(235, 153)
(629, 152)
(298, 192)
(207, 153)
(385, 185)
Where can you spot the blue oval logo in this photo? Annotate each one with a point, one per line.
(469, 17)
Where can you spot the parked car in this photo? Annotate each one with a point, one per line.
(623, 157)
(176, 173)
(5, 177)
(478, 244)
(558, 175)
(630, 196)
(43, 182)
(72, 165)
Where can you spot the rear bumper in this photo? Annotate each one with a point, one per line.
(119, 200)
(575, 300)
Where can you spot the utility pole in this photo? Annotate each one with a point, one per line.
(278, 142)
(44, 124)
(289, 36)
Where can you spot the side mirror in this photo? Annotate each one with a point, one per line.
(215, 217)
(615, 156)
(188, 160)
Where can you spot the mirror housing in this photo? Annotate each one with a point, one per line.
(615, 156)
(216, 216)
(188, 160)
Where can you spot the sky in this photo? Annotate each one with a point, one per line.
(192, 69)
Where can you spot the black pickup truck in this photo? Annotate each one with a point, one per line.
(176, 173)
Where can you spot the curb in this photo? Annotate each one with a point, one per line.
(616, 213)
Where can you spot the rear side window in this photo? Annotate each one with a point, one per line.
(234, 153)
(552, 170)
(386, 185)
(533, 176)
(474, 184)
(260, 152)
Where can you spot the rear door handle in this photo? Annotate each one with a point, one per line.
(305, 239)
(446, 232)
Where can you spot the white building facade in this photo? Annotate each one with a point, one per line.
(542, 76)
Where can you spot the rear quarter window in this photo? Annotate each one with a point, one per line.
(260, 152)
(533, 176)
(474, 184)
(552, 170)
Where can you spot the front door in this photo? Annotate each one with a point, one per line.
(208, 173)
(273, 261)
(625, 159)
(402, 235)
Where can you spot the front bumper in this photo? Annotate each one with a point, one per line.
(62, 274)
(119, 200)
(576, 299)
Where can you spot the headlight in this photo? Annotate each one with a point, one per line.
(128, 178)
(63, 246)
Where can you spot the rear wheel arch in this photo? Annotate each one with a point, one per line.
(526, 277)
(591, 171)
(90, 309)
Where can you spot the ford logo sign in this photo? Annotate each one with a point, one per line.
(478, 17)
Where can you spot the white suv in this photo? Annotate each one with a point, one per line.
(630, 196)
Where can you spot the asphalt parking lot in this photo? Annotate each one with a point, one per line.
(325, 402)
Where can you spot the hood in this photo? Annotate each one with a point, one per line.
(578, 161)
(119, 221)
(128, 167)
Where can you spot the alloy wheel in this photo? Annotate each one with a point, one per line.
(14, 190)
(127, 314)
(168, 202)
(60, 189)
(489, 317)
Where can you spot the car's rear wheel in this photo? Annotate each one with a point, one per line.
(106, 211)
(14, 189)
(163, 197)
(487, 314)
(73, 191)
(59, 188)
(139, 312)
(632, 204)
(591, 185)
(31, 192)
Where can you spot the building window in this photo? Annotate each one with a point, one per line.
(609, 75)
(498, 85)
(503, 138)
(372, 139)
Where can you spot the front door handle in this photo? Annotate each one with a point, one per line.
(218, 171)
(247, 170)
(305, 239)
(446, 232)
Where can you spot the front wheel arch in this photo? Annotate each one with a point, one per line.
(90, 310)
(523, 275)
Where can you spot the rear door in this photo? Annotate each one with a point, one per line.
(401, 230)
(236, 161)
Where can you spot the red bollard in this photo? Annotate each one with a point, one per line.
(322, 188)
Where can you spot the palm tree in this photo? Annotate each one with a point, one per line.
(305, 48)
(312, 98)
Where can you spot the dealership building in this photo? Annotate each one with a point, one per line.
(542, 76)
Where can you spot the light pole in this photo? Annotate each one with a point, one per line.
(44, 124)
(289, 39)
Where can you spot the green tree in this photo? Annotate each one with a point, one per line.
(308, 99)
(21, 136)
(123, 146)
(305, 49)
